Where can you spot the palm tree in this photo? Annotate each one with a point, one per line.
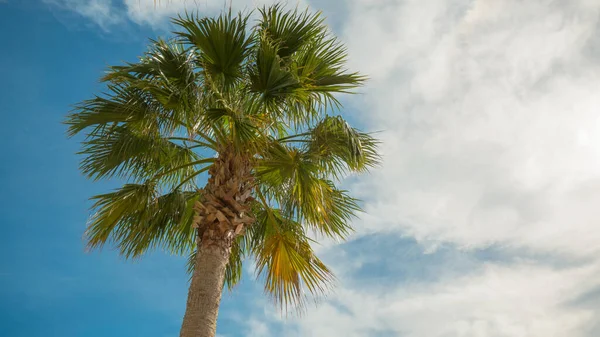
(250, 109)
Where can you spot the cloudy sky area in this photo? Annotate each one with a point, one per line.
(482, 221)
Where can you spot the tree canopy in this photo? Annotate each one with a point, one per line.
(265, 91)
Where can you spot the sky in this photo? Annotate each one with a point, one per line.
(481, 222)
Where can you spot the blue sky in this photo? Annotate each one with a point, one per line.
(481, 222)
(48, 285)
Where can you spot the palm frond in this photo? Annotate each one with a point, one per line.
(325, 209)
(231, 123)
(286, 260)
(136, 219)
(338, 148)
(269, 77)
(320, 66)
(297, 183)
(123, 152)
(222, 43)
(167, 75)
(290, 30)
(123, 104)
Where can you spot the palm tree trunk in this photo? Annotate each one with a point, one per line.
(222, 214)
(205, 291)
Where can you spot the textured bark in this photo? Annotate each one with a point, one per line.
(221, 215)
(204, 295)
(224, 211)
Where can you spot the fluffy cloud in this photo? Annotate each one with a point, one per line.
(490, 117)
(152, 13)
(156, 13)
(101, 12)
(498, 302)
(393, 289)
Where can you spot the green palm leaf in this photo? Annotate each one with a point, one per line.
(125, 153)
(222, 44)
(339, 148)
(286, 260)
(290, 30)
(136, 218)
(296, 182)
(270, 78)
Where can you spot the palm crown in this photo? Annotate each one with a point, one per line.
(250, 106)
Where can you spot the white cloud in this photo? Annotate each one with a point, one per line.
(490, 112)
(498, 302)
(156, 13)
(257, 328)
(153, 13)
(101, 12)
